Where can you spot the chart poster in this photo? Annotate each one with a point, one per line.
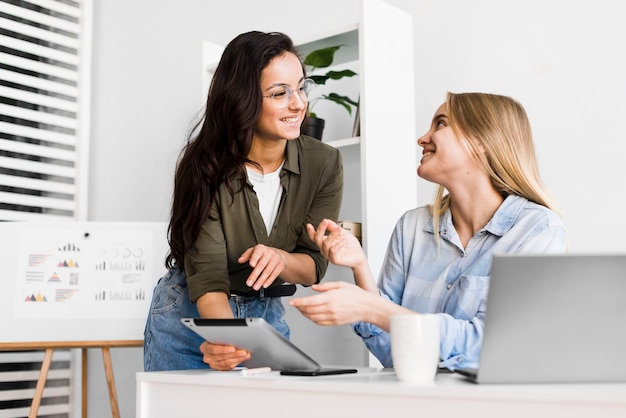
(84, 274)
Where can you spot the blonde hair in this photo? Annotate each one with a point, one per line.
(499, 137)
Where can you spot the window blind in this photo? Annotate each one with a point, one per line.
(19, 372)
(44, 91)
(44, 144)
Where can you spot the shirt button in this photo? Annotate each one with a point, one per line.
(449, 286)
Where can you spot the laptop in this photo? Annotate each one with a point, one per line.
(554, 319)
(268, 347)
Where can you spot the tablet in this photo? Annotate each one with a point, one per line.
(268, 347)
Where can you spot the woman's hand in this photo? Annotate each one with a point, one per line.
(267, 263)
(336, 244)
(338, 303)
(222, 357)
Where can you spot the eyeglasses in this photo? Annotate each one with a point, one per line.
(281, 95)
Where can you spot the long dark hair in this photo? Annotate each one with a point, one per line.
(219, 150)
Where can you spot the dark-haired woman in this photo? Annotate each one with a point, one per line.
(245, 187)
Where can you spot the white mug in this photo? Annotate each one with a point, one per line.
(415, 347)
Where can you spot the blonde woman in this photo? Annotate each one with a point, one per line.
(479, 150)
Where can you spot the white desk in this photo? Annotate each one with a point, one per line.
(365, 394)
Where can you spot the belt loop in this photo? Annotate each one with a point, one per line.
(262, 293)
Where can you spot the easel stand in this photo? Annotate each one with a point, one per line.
(49, 348)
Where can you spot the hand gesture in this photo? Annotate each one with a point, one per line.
(336, 244)
(267, 263)
(338, 303)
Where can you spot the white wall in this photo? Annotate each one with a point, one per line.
(563, 59)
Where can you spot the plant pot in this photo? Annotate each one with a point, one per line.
(313, 127)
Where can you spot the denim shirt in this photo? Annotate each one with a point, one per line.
(452, 281)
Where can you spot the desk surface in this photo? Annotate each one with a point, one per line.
(367, 393)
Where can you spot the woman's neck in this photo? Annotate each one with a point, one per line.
(268, 155)
(472, 211)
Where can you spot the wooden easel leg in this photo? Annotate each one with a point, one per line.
(41, 383)
(84, 374)
(108, 369)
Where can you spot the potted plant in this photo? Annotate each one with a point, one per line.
(323, 58)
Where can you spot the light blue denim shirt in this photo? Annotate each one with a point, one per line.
(452, 281)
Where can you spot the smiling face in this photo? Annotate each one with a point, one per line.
(275, 122)
(446, 157)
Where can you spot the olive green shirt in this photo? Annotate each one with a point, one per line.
(312, 181)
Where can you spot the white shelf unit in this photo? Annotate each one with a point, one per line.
(380, 179)
(380, 165)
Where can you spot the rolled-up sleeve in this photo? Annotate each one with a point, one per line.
(206, 265)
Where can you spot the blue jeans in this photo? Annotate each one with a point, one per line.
(169, 345)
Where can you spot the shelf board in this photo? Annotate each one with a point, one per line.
(312, 41)
(339, 143)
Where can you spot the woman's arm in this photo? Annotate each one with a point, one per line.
(214, 305)
(340, 303)
(343, 249)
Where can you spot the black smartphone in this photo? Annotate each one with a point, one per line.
(320, 372)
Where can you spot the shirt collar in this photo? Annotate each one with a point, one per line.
(499, 224)
(506, 215)
(292, 162)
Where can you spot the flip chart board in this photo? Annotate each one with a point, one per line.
(78, 281)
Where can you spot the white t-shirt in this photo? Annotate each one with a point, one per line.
(268, 191)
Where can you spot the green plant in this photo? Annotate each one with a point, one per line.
(323, 58)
